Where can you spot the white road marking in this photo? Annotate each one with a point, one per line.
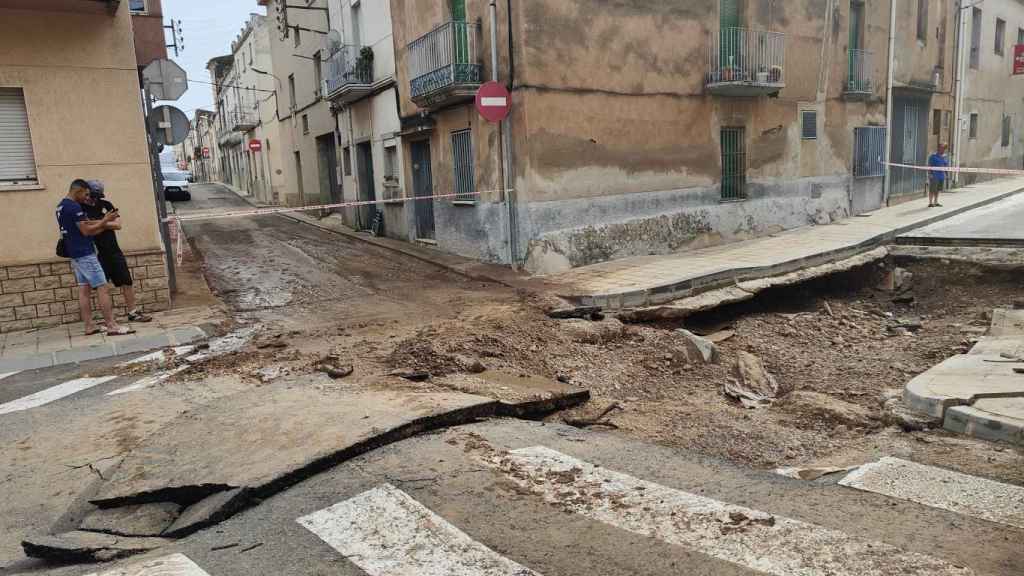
(387, 533)
(750, 538)
(148, 381)
(53, 393)
(173, 565)
(6, 374)
(939, 488)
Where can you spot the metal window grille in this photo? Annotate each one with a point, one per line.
(975, 37)
(305, 124)
(809, 124)
(936, 122)
(346, 160)
(869, 152)
(734, 163)
(462, 160)
(973, 132)
(1006, 131)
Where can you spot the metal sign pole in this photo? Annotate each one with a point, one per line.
(158, 189)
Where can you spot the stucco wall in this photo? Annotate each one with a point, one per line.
(85, 114)
(992, 91)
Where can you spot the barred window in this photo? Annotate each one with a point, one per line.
(869, 152)
(462, 160)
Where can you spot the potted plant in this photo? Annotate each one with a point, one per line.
(364, 65)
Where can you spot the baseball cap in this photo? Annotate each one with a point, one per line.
(96, 188)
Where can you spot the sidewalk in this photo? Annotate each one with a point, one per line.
(66, 344)
(652, 280)
(979, 394)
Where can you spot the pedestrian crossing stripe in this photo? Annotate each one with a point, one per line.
(51, 394)
(385, 532)
(940, 488)
(173, 565)
(750, 538)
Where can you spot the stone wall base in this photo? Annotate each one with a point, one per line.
(45, 294)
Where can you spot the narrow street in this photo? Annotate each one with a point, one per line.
(694, 480)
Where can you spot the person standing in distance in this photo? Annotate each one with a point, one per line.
(936, 178)
(115, 265)
(77, 231)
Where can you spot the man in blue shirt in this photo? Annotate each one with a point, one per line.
(936, 178)
(77, 231)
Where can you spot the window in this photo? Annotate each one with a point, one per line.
(357, 25)
(391, 163)
(298, 175)
(975, 37)
(869, 152)
(1006, 131)
(808, 124)
(462, 160)
(297, 38)
(305, 124)
(973, 131)
(1000, 36)
(291, 91)
(734, 163)
(922, 20)
(318, 74)
(346, 160)
(1020, 35)
(137, 6)
(936, 122)
(17, 160)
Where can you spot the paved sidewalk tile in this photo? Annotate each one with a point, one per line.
(649, 280)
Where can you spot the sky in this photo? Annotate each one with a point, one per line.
(209, 27)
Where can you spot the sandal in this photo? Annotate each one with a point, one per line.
(96, 331)
(121, 331)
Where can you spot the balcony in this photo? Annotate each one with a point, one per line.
(444, 66)
(242, 120)
(858, 79)
(744, 62)
(348, 75)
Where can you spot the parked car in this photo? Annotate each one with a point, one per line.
(176, 185)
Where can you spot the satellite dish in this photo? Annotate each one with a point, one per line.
(332, 42)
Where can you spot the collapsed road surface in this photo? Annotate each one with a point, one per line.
(334, 429)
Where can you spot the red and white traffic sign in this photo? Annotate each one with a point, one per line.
(255, 145)
(206, 152)
(493, 101)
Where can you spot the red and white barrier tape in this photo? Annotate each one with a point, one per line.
(267, 211)
(953, 169)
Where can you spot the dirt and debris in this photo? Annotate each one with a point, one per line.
(837, 365)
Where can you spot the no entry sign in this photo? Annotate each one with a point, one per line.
(493, 101)
(255, 145)
(1018, 59)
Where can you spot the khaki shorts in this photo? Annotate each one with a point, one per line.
(935, 186)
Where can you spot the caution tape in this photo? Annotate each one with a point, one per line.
(269, 211)
(953, 169)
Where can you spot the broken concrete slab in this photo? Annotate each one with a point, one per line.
(996, 419)
(207, 512)
(752, 385)
(1007, 323)
(745, 289)
(271, 437)
(140, 520)
(518, 395)
(959, 381)
(809, 473)
(81, 546)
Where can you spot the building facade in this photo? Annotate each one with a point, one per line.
(70, 107)
(308, 130)
(660, 126)
(199, 150)
(359, 81)
(992, 111)
(148, 25)
(248, 130)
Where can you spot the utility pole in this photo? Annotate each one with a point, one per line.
(887, 190)
(158, 190)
